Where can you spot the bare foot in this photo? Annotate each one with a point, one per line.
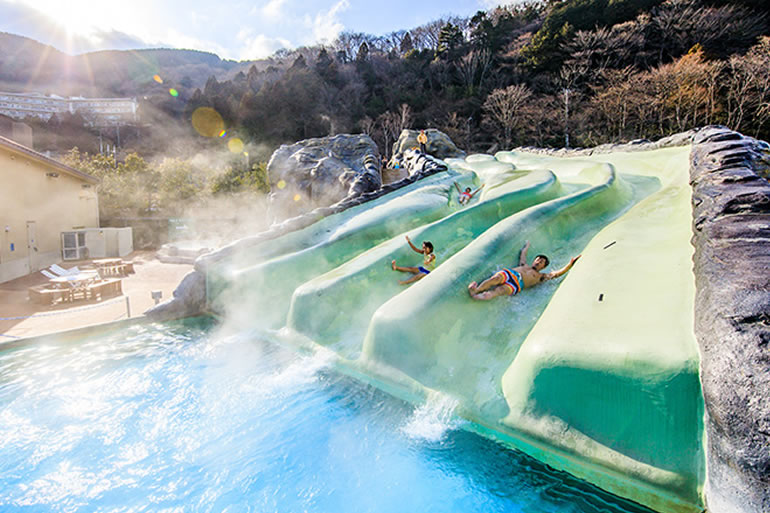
(472, 288)
(393, 264)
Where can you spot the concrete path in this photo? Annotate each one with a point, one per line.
(151, 274)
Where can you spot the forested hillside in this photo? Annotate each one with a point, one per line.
(548, 73)
(577, 72)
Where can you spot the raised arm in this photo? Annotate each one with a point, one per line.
(477, 190)
(523, 254)
(458, 188)
(413, 246)
(562, 271)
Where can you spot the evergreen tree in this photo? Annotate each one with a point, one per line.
(406, 44)
(363, 53)
(450, 41)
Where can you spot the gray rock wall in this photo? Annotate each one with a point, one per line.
(439, 144)
(322, 171)
(731, 235)
(189, 300)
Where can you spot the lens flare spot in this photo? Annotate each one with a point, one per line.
(297, 197)
(281, 184)
(223, 133)
(207, 122)
(235, 145)
(173, 92)
(157, 79)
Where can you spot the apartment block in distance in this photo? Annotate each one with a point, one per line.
(99, 112)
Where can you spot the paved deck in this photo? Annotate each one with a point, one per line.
(151, 274)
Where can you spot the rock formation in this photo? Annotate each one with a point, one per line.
(439, 144)
(189, 299)
(319, 172)
(731, 225)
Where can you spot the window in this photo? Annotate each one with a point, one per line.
(73, 245)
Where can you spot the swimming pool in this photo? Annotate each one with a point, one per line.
(179, 418)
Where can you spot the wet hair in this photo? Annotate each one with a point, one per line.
(544, 258)
(467, 189)
(428, 245)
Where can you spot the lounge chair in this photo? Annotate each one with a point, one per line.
(48, 275)
(61, 271)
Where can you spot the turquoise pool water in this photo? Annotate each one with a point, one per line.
(177, 418)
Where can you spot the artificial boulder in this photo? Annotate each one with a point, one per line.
(439, 144)
(189, 300)
(319, 172)
(731, 211)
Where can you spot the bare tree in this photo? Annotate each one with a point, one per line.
(503, 106)
(747, 88)
(473, 69)
(680, 24)
(347, 44)
(367, 125)
(389, 124)
(611, 102)
(392, 42)
(405, 116)
(427, 36)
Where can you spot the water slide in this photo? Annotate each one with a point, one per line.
(595, 373)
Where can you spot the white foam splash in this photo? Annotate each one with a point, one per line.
(301, 372)
(432, 420)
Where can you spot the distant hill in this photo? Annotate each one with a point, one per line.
(28, 65)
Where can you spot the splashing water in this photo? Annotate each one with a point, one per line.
(180, 418)
(433, 419)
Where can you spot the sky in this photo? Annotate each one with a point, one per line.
(233, 29)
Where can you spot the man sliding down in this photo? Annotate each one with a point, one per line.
(511, 281)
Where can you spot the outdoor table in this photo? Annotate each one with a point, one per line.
(101, 262)
(76, 284)
(109, 266)
(76, 280)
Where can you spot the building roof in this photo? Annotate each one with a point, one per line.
(39, 157)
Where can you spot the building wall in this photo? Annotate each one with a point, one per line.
(54, 204)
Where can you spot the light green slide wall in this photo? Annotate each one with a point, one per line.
(595, 373)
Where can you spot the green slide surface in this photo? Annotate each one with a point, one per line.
(595, 373)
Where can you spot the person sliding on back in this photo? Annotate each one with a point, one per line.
(466, 195)
(428, 263)
(511, 281)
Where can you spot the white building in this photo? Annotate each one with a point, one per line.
(95, 111)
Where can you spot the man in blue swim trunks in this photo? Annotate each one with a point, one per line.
(511, 281)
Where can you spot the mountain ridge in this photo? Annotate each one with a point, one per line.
(27, 65)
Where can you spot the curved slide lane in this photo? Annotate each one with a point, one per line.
(321, 309)
(433, 326)
(595, 373)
